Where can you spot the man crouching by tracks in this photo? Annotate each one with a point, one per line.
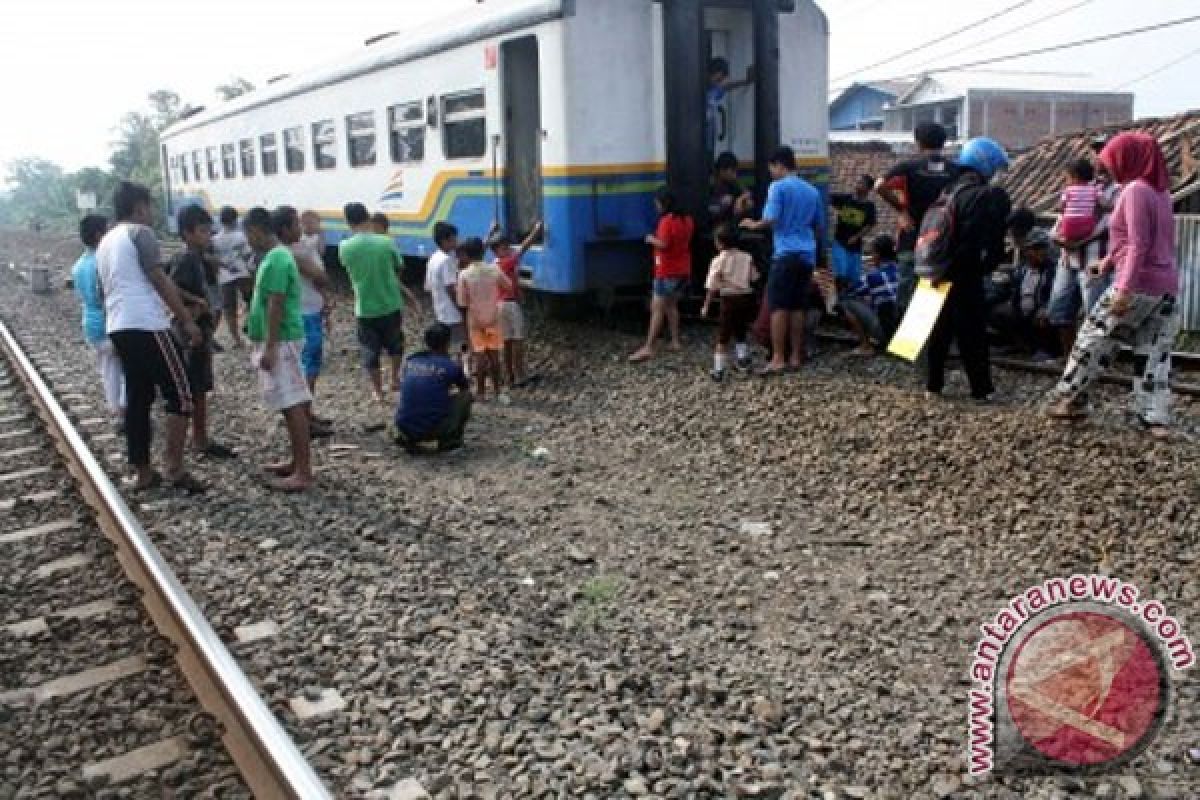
(137, 297)
(276, 328)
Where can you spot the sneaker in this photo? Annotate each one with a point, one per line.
(717, 375)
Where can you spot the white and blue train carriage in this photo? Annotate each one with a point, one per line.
(571, 111)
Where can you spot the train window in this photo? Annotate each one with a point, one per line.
(183, 170)
(464, 124)
(270, 153)
(407, 122)
(360, 138)
(293, 149)
(229, 161)
(247, 150)
(197, 165)
(324, 144)
(211, 153)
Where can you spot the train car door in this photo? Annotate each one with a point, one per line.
(522, 134)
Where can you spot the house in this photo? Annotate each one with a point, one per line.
(859, 107)
(1016, 109)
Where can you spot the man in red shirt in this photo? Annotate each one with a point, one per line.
(672, 243)
(512, 318)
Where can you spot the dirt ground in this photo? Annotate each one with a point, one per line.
(636, 582)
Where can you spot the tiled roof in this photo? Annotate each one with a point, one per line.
(1035, 178)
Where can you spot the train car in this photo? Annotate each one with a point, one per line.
(571, 111)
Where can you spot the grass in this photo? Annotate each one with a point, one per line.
(596, 599)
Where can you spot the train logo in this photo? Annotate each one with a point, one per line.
(393, 193)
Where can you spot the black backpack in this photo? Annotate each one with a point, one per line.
(934, 251)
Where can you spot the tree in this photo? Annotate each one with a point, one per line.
(236, 87)
(39, 191)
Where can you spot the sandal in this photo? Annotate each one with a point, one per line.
(217, 450)
(186, 482)
(1067, 411)
(1155, 430)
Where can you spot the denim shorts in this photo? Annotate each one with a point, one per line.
(670, 287)
(313, 354)
(788, 282)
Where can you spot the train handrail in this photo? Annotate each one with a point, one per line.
(265, 755)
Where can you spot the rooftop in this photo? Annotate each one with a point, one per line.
(934, 86)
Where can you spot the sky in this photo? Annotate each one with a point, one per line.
(93, 61)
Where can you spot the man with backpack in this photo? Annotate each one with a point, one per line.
(960, 242)
(911, 187)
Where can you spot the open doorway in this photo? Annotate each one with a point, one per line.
(523, 134)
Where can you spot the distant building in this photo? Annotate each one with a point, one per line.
(860, 106)
(1016, 109)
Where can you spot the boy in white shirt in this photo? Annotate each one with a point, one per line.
(441, 281)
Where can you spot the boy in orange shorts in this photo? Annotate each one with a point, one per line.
(480, 287)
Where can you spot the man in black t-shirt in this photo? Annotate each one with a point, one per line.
(855, 216)
(193, 271)
(911, 187)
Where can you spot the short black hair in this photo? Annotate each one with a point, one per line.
(443, 232)
(784, 157)
(355, 213)
(472, 249)
(884, 247)
(191, 217)
(726, 235)
(91, 229)
(666, 200)
(869, 180)
(726, 160)
(127, 197)
(1021, 221)
(259, 218)
(930, 135)
(437, 337)
(718, 64)
(499, 240)
(380, 218)
(1082, 169)
(283, 218)
(228, 217)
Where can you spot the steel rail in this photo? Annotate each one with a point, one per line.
(266, 757)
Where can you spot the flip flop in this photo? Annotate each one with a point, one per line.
(281, 485)
(186, 482)
(154, 482)
(640, 356)
(770, 372)
(1068, 414)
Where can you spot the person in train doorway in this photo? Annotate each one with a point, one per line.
(719, 87)
(795, 215)
(373, 264)
(976, 247)
(911, 187)
(139, 302)
(855, 217)
(435, 397)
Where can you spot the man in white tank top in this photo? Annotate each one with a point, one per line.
(139, 301)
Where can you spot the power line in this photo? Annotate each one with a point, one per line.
(942, 38)
(1064, 46)
(1009, 32)
(1157, 70)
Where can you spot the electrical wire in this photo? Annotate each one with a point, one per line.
(1019, 29)
(1108, 37)
(1157, 70)
(972, 26)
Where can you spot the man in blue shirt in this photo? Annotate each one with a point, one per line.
(796, 216)
(87, 285)
(428, 411)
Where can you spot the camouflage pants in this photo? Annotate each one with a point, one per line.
(1150, 326)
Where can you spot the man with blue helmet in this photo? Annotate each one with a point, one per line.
(977, 246)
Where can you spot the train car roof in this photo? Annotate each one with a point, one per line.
(484, 23)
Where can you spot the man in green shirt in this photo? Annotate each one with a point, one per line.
(374, 265)
(276, 328)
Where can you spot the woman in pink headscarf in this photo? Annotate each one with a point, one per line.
(1140, 308)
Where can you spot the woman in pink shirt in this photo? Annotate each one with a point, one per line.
(1141, 306)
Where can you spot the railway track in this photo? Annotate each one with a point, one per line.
(92, 620)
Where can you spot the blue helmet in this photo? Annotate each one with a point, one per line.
(984, 156)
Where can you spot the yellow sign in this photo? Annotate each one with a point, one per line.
(918, 322)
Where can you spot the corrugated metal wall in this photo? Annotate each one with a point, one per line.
(1187, 242)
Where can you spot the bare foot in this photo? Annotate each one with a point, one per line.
(283, 469)
(645, 354)
(292, 484)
